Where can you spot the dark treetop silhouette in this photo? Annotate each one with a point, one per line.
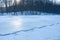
(32, 5)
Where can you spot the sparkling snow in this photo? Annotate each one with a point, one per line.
(10, 24)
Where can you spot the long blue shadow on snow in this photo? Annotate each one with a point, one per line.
(27, 30)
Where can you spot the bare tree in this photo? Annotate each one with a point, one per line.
(5, 2)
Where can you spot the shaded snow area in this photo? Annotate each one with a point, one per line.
(26, 13)
(40, 27)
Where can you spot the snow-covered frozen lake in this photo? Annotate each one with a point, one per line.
(35, 27)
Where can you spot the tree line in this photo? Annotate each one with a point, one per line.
(31, 5)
